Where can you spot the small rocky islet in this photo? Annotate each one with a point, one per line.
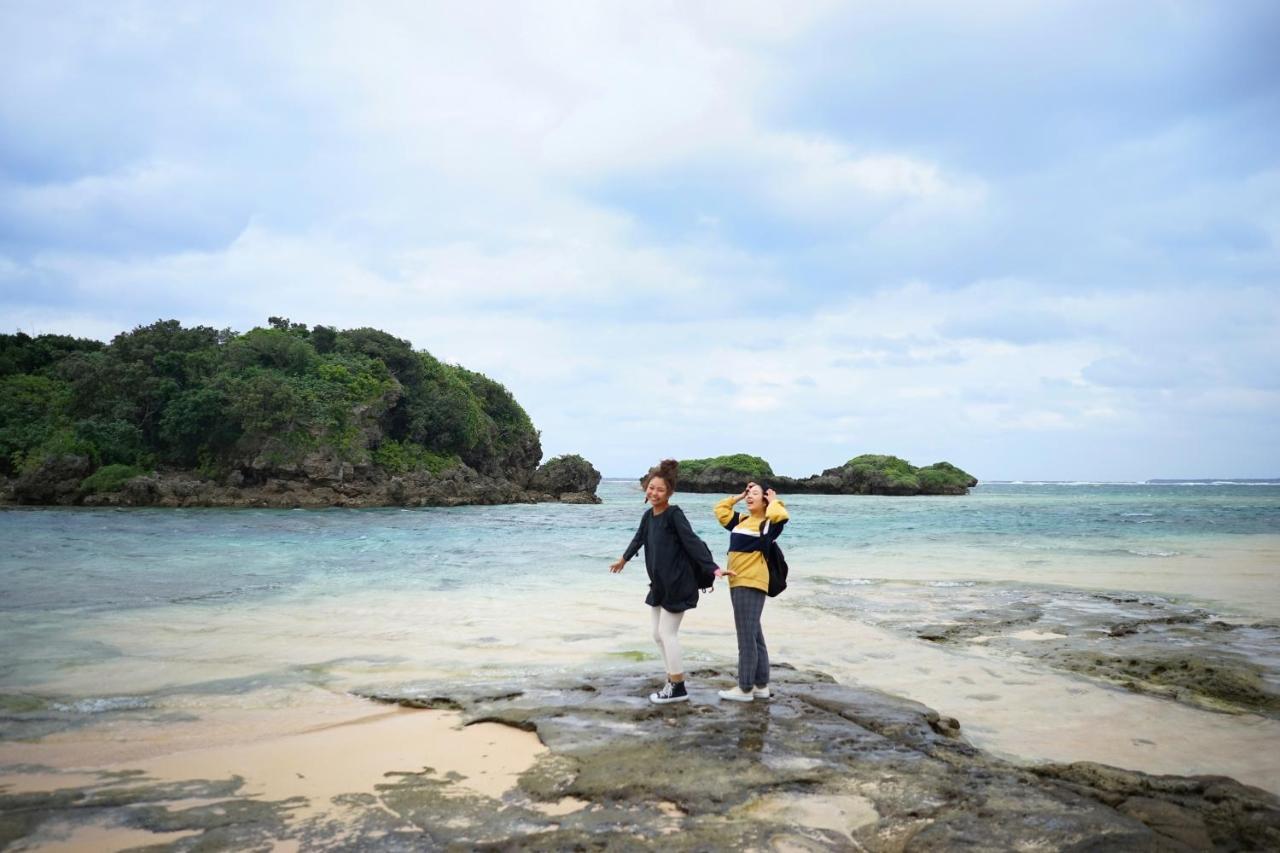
(868, 474)
(821, 766)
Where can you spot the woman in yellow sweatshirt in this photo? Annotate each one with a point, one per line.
(749, 535)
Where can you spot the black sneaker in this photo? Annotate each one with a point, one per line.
(672, 691)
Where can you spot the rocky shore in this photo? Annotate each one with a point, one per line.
(1142, 643)
(822, 766)
(313, 483)
(283, 416)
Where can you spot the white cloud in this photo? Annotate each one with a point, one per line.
(449, 173)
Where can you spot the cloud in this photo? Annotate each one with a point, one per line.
(1014, 326)
(1025, 238)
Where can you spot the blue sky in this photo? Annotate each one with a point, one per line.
(1039, 240)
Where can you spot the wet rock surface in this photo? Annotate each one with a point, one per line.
(821, 766)
(456, 486)
(1142, 643)
(826, 766)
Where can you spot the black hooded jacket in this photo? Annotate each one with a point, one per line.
(679, 563)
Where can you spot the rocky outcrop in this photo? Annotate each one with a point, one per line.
(1139, 642)
(55, 481)
(821, 766)
(568, 478)
(456, 486)
(863, 475)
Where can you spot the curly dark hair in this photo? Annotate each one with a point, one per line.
(668, 470)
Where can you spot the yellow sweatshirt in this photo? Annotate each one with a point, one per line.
(746, 559)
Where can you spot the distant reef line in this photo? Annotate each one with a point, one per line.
(284, 415)
(868, 474)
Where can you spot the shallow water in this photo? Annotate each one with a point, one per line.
(153, 618)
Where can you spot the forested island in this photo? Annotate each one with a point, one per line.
(869, 474)
(284, 415)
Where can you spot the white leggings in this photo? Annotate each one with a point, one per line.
(666, 627)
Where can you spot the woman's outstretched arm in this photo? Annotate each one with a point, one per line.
(632, 549)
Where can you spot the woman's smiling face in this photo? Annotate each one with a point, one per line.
(755, 497)
(657, 493)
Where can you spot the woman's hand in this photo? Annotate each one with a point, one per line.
(721, 573)
(616, 566)
(742, 496)
(771, 495)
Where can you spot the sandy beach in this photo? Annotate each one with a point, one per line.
(261, 698)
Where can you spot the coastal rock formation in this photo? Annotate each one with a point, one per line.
(868, 474)
(821, 766)
(1141, 643)
(280, 416)
(54, 480)
(460, 485)
(570, 478)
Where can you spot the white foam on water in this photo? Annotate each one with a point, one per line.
(102, 705)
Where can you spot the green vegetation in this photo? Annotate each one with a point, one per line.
(397, 457)
(943, 476)
(214, 400)
(869, 474)
(568, 472)
(888, 472)
(751, 467)
(110, 478)
(890, 475)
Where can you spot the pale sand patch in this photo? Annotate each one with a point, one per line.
(46, 782)
(317, 762)
(1034, 635)
(1240, 573)
(670, 809)
(839, 813)
(561, 807)
(94, 838)
(222, 720)
(355, 756)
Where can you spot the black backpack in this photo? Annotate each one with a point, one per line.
(777, 567)
(773, 556)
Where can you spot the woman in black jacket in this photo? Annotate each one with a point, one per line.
(679, 564)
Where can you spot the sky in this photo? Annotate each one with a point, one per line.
(1037, 240)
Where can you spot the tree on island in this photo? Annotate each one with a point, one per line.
(284, 400)
(869, 474)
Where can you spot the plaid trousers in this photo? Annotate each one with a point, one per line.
(753, 655)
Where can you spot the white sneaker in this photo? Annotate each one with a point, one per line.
(737, 694)
(761, 693)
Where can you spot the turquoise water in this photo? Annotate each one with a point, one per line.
(78, 561)
(121, 613)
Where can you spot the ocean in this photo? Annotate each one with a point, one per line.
(75, 563)
(143, 617)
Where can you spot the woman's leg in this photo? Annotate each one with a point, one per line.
(762, 657)
(747, 605)
(657, 637)
(667, 628)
